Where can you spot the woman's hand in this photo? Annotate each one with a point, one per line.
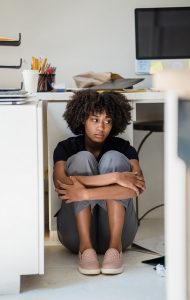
(72, 192)
(131, 180)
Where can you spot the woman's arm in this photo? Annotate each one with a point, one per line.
(125, 179)
(136, 167)
(59, 174)
(137, 170)
(78, 192)
(94, 180)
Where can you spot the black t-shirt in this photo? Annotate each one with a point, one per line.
(73, 145)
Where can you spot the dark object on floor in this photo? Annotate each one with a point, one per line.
(155, 261)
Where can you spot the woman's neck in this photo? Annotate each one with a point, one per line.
(94, 148)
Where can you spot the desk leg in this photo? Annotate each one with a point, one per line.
(175, 206)
(133, 114)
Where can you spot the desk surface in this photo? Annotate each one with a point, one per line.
(149, 96)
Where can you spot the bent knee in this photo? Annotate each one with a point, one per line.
(114, 161)
(82, 156)
(81, 163)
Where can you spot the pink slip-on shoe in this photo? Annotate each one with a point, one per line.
(112, 262)
(88, 262)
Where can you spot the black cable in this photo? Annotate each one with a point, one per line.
(143, 140)
(138, 150)
(149, 212)
(137, 200)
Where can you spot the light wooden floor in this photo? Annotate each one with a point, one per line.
(62, 280)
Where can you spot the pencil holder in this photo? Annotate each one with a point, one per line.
(45, 82)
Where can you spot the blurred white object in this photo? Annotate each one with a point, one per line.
(30, 78)
(160, 270)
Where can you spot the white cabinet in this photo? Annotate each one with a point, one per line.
(21, 194)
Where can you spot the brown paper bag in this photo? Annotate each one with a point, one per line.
(89, 79)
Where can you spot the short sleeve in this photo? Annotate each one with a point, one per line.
(127, 149)
(121, 145)
(132, 153)
(60, 152)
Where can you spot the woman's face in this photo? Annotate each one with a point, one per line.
(98, 127)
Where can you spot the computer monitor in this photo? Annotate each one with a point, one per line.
(162, 33)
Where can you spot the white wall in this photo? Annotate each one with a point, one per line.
(76, 36)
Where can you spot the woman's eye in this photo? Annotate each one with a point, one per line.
(107, 121)
(94, 120)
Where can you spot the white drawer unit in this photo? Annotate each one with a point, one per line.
(21, 194)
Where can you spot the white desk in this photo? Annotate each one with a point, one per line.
(21, 177)
(148, 96)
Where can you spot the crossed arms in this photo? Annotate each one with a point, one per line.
(115, 185)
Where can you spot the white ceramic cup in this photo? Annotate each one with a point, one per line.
(30, 78)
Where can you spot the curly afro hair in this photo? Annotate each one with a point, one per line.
(85, 102)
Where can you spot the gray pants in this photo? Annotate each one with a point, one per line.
(84, 163)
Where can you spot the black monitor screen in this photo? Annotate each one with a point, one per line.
(162, 33)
